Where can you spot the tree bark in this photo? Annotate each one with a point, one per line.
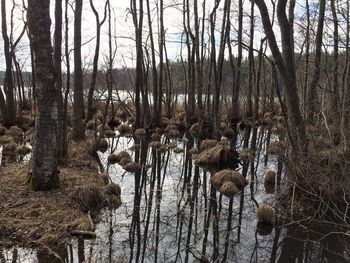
(43, 173)
(8, 107)
(311, 100)
(78, 106)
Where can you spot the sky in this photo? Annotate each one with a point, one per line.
(123, 30)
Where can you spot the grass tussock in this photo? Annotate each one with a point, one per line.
(229, 189)
(227, 175)
(132, 167)
(265, 214)
(221, 155)
(110, 134)
(102, 145)
(124, 129)
(156, 137)
(246, 154)
(178, 150)
(89, 198)
(140, 133)
(207, 144)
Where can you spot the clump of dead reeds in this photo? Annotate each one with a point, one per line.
(207, 144)
(228, 132)
(162, 148)
(122, 155)
(110, 134)
(246, 154)
(171, 146)
(102, 145)
(124, 129)
(89, 198)
(270, 177)
(229, 189)
(155, 144)
(113, 189)
(92, 125)
(221, 154)
(178, 150)
(174, 133)
(132, 167)
(156, 137)
(10, 148)
(82, 224)
(5, 139)
(193, 151)
(195, 129)
(276, 147)
(135, 147)
(265, 214)
(113, 159)
(125, 161)
(140, 133)
(218, 179)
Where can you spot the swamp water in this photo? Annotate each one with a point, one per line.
(170, 213)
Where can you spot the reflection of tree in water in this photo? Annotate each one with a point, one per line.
(176, 216)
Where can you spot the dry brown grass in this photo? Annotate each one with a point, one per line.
(246, 154)
(110, 133)
(265, 214)
(155, 144)
(140, 133)
(219, 178)
(229, 189)
(132, 167)
(217, 155)
(207, 144)
(195, 129)
(178, 150)
(89, 198)
(123, 154)
(113, 159)
(124, 129)
(156, 137)
(103, 145)
(28, 217)
(228, 132)
(6, 139)
(270, 177)
(174, 133)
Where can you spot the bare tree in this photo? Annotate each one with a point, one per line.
(78, 106)
(43, 173)
(90, 110)
(286, 66)
(7, 106)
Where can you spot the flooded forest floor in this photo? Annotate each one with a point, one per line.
(163, 195)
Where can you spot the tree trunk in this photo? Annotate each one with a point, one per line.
(90, 107)
(78, 106)
(43, 174)
(311, 100)
(8, 108)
